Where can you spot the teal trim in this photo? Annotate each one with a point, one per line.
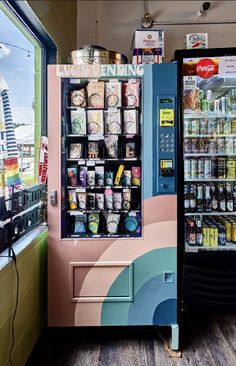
(175, 337)
(146, 268)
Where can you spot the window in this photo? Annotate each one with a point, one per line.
(25, 50)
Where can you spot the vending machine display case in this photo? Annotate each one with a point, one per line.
(112, 213)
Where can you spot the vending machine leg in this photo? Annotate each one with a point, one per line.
(174, 337)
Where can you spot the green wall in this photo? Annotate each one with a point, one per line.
(32, 310)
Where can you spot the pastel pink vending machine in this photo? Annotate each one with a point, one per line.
(112, 215)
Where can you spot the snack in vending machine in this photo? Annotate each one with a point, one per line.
(78, 98)
(82, 200)
(95, 93)
(130, 92)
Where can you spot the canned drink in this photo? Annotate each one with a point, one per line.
(228, 231)
(233, 126)
(220, 126)
(213, 236)
(202, 147)
(211, 126)
(212, 146)
(206, 235)
(203, 127)
(187, 169)
(227, 126)
(223, 105)
(222, 168)
(230, 168)
(221, 145)
(207, 168)
(233, 233)
(234, 145)
(200, 169)
(187, 145)
(195, 127)
(195, 146)
(221, 236)
(193, 168)
(216, 105)
(229, 145)
(214, 168)
(187, 127)
(206, 105)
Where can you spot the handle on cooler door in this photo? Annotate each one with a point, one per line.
(53, 197)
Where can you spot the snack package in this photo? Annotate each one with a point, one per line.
(119, 175)
(75, 151)
(81, 199)
(78, 98)
(130, 121)
(78, 122)
(93, 223)
(136, 176)
(99, 176)
(83, 176)
(80, 224)
(109, 178)
(130, 92)
(117, 200)
(126, 178)
(108, 199)
(72, 176)
(93, 150)
(130, 150)
(113, 122)
(113, 94)
(95, 93)
(132, 223)
(111, 143)
(112, 222)
(126, 199)
(91, 178)
(72, 199)
(99, 201)
(91, 201)
(95, 122)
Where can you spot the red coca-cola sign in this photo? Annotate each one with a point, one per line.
(206, 68)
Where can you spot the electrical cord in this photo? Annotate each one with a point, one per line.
(13, 256)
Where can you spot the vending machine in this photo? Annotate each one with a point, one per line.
(112, 210)
(207, 176)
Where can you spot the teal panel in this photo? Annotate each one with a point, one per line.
(122, 290)
(146, 267)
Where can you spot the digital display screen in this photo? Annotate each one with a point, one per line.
(166, 164)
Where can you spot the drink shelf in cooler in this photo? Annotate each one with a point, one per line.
(212, 135)
(102, 187)
(196, 249)
(208, 154)
(210, 213)
(210, 180)
(208, 115)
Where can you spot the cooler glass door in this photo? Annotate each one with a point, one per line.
(209, 138)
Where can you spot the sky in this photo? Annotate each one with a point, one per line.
(18, 70)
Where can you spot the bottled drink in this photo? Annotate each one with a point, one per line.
(199, 201)
(227, 126)
(207, 198)
(214, 200)
(221, 235)
(213, 235)
(199, 236)
(229, 198)
(221, 198)
(206, 234)
(192, 198)
(186, 198)
(234, 197)
(192, 234)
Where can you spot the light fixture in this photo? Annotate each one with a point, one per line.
(146, 21)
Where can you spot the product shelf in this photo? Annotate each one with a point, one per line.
(207, 114)
(195, 249)
(210, 213)
(210, 180)
(102, 159)
(83, 188)
(78, 212)
(215, 135)
(208, 154)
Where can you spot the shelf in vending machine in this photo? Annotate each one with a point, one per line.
(212, 135)
(196, 249)
(78, 212)
(207, 114)
(103, 187)
(207, 154)
(210, 213)
(210, 180)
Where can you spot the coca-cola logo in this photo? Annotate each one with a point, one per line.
(206, 68)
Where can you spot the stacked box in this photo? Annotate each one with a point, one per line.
(148, 46)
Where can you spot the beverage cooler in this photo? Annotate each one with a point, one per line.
(112, 215)
(207, 176)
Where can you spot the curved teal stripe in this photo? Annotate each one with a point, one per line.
(146, 267)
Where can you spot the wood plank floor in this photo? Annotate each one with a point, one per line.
(208, 340)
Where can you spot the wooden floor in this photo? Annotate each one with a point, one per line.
(206, 341)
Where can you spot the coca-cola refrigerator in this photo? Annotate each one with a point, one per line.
(112, 211)
(207, 175)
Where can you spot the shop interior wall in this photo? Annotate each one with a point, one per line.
(111, 23)
(59, 19)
